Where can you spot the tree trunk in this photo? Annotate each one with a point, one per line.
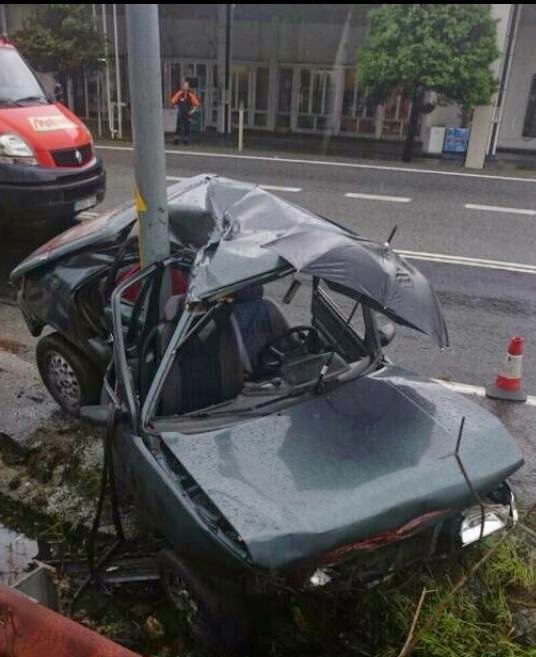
(413, 122)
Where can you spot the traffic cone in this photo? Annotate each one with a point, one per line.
(507, 385)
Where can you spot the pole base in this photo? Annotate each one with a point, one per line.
(506, 395)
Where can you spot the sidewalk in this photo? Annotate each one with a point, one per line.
(343, 149)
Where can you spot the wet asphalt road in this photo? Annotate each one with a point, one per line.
(483, 306)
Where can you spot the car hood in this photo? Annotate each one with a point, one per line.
(366, 458)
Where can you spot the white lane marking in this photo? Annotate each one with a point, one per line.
(88, 215)
(467, 389)
(379, 197)
(274, 188)
(498, 208)
(468, 262)
(351, 165)
(277, 188)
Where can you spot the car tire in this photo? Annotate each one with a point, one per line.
(218, 620)
(70, 377)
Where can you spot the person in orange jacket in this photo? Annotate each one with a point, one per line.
(186, 103)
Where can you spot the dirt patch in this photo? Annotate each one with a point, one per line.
(13, 346)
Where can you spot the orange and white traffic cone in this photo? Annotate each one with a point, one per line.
(507, 385)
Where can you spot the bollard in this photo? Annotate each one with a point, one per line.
(28, 629)
(241, 127)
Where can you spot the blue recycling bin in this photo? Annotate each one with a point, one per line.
(456, 140)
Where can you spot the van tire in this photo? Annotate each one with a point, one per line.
(69, 376)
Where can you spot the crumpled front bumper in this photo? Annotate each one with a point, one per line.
(368, 567)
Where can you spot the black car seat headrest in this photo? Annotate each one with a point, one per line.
(258, 322)
(249, 294)
(207, 369)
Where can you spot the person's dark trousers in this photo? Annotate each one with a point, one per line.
(183, 128)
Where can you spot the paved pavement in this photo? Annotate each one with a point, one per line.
(473, 235)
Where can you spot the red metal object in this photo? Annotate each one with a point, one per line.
(178, 283)
(27, 629)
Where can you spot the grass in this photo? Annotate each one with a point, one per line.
(481, 621)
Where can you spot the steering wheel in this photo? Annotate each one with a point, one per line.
(297, 341)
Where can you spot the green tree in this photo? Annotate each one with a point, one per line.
(61, 38)
(446, 48)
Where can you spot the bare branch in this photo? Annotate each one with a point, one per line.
(416, 615)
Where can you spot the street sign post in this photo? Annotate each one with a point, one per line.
(143, 45)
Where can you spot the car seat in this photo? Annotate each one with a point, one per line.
(258, 321)
(207, 369)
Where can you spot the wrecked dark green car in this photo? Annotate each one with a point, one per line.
(260, 425)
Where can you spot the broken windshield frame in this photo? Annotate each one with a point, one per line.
(120, 354)
(185, 328)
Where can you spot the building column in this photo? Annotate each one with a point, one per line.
(295, 96)
(223, 37)
(337, 100)
(273, 95)
(484, 115)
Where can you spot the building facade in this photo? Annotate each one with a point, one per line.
(292, 69)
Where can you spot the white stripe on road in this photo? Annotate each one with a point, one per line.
(498, 208)
(88, 215)
(272, 188)
(351, 165)
(467, 389)
(468, 262)
(276, 188)
(379, 197)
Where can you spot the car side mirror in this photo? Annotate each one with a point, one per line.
(58, 92)
(387, 334)
(97, 415)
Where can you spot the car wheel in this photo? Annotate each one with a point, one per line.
(72, 380)
(218, 620)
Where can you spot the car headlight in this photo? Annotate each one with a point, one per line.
(476, 525)
(14, 150)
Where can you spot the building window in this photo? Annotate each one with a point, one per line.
(529, 127)
(240, 86)
(316, 99)
(284, 100)
(285, 90)
(261, 89)
(305, 88)
(175, 77)
(358, 111)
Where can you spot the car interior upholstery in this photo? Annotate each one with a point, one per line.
(212, 366)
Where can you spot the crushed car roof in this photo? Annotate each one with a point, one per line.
(251, 233)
